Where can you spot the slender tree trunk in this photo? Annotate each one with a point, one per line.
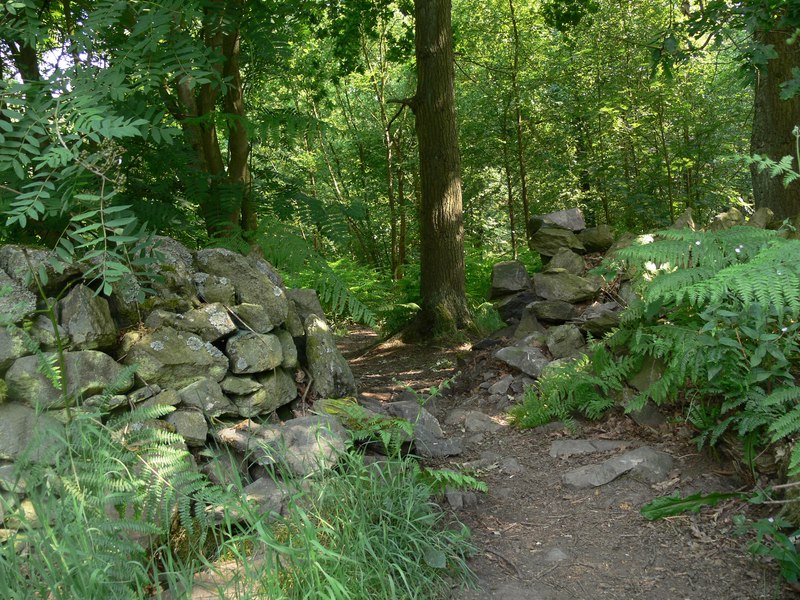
(662, 136)
(512, 224)
(238, 139)
(523, 177)
(225, 193)
(444, 306)
(773, 122)
(401, 208)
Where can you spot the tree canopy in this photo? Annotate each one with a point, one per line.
(280, 124)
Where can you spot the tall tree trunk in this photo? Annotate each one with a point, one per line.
(523, 177)
(773, 122)
(444, 306)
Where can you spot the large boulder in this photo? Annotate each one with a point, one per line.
(190, 424)
(645, 463)
(253, 352)
(548, 240)
(274, 390)
(552, 311)
(510, 308)
(173, 284)
(17, 261)
(289, 349)
(87, 373)
(509, 277)
(172, 358)
(566, 260)
(306, 302)
(429, 440)
(239, 385)
(731, 218)
(564, 340)
(12, 347)
(331, 376)
(44, 334)
(210, 322)
(206, 395)
(597, 239)
(23, 428)
(255, 281)
(762, 218)
(253, 317)
(87, 320)
(599, 319)
(684, 221)
(571, 218)
(215, 289)
(304, 445)
(16, 302)
(565, 286)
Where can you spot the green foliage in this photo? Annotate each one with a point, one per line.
(588, 384)
(443, 480)
(366, 426)
(104, 498)
(486, 319)
(783, 168)
(773, 541)
(670, 506)
(719, 314)
(367, 531)
(288, 251)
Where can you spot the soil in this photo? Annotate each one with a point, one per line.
(539, 540)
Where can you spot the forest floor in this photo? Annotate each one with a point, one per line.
(540, 540)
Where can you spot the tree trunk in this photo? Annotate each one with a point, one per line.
(224, 194)
(443, 302)
(773, 122)
(523, 177)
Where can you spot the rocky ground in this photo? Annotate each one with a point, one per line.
(540, 534)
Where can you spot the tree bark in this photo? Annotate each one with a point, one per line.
(442, 287)
(226, 201)
(523, 177)
(773, 122)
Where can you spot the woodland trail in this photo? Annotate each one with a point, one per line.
(541, 540)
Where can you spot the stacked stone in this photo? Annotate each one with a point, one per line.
(220, 340)
(550, 313)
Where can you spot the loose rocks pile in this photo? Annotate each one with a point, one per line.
(551, 313)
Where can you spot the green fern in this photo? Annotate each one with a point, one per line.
(443, 480)
(719, 311)
(365, 426)
(288, 251)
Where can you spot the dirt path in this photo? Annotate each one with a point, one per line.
(539, 539)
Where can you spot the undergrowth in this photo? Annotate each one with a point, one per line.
(717, 324)
(111, 507)
(393, 304)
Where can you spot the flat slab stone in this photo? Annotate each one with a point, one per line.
(501, 386)
(509, 277)
(649, 464)
(567, 448)
(304, 445)
(476, 421)
(529, 360)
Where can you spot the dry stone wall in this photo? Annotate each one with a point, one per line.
(221, 340)
(551, 314)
